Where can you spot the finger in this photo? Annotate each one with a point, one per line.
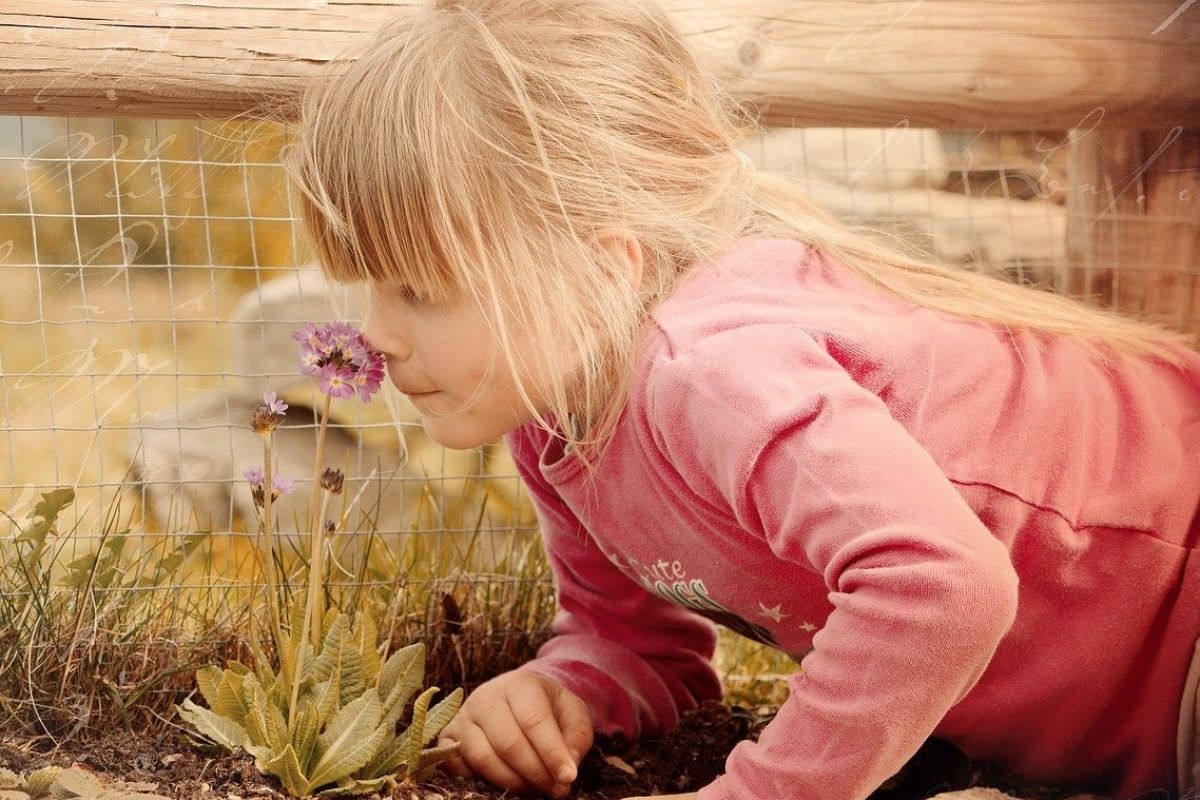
(508, 740)
(482, 761)
(454, 733)
(453, 764)
(535, 712)
(575, 722)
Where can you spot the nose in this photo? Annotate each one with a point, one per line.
(382, 331)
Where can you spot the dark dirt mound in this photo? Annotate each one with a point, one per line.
(681, 761)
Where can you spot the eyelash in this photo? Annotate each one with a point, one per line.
(407, 294)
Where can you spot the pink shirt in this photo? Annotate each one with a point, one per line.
(960, 534)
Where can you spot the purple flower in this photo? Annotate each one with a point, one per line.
(336, 381)
(266, 418)
(344, 364)
(279, 485)
(274, 404)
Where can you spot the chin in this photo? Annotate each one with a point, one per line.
(456, 437)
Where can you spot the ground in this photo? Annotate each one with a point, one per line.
(682, 761)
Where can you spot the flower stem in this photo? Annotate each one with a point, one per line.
(267, 530)
(316, 591)
(313, 571)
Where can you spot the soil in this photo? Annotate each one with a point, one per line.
(682, 761)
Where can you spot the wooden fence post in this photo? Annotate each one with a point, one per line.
(1133, 222)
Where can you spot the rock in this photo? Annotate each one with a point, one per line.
(190, 466)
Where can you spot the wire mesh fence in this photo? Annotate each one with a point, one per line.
(154, 273)
(151, 272)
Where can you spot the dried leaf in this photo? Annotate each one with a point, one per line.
(216, 728)
(75, 782)
(621, 764)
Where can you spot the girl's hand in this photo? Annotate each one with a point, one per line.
(521, 731)
(689, 796)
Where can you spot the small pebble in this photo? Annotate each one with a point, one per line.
(621, 764)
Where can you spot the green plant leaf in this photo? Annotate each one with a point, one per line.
(262, 664)
(331, 616)
(366, 635)
(441, 714)
(262, 755)
(398, 665)
(415, 735)
(331, 649)
(286, 767)
(352, 675)
(295, 623)
(259, 725)
(327, 697)
(209, 680)
(341, 650)
(79, 572)
(172, 561)
(238, 668)
(350, 740)
(304, 738)
(39, 781)
(280, 694)
(397, 752)
(352, 786)
(276, 725)
(216, 728)
(430, 758)
(52, 504)
(400, 677)
(231, 697)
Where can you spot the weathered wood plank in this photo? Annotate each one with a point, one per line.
(1006, 64)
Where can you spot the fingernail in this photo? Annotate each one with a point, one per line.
(566, 774)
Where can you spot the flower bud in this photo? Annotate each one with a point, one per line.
(263, 420)
(332, 480)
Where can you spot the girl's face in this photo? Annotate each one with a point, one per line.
(437, 355)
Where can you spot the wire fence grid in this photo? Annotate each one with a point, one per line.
(151, 271)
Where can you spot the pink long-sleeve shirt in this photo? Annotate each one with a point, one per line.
(960, 533)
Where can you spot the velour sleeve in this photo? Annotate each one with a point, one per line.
(765, 420)
(635, 659)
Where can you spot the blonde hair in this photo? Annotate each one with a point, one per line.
(478, 144)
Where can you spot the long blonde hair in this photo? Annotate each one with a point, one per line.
(478, 144)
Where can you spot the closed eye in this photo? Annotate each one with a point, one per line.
(410, 295)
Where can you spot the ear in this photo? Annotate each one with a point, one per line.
(626, 249)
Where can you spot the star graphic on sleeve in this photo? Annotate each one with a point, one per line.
(771, 613)
(808, 626)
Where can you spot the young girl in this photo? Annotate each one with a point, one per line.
(969, 507)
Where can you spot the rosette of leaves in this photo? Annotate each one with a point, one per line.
(72, 783)
(343, 735)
